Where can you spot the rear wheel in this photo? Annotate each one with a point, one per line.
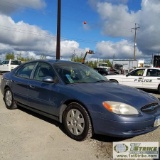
(9, 100)
(77, 122)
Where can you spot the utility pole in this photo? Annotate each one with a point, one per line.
(135, 34)
(58, 46)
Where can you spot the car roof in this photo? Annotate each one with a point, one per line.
(53, 61)
(148, 68)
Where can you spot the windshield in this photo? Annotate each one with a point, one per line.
(5, 62)
(78, 73)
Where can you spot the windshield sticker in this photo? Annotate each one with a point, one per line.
(142, 80)
(69, 78)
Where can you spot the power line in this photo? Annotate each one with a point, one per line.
(39, 34)
(44, 34)
(16, 29)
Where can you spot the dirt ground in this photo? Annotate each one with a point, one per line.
(25, 135)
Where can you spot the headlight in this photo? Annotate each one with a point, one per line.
(120, 108)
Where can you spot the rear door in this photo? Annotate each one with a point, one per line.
(14, 64)
(21, 83)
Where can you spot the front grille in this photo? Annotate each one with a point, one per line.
(150, 107)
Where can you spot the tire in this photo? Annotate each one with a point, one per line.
(9, 100)
(114, 81)
(159, 89)
(77, 122)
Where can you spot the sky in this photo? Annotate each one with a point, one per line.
(28, 28)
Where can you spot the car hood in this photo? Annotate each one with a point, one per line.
(108, 91)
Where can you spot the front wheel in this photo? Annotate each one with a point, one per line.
(77, 122)
(9, 100)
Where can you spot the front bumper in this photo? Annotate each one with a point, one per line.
(121, 128)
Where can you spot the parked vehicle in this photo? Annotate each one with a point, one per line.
(8, 65)
(113, 71)
(156, 60)
(103, 65)
(145, 78)
(84, 101)
(105, 71)
(102, 71)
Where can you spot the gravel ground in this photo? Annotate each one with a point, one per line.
(25, 135)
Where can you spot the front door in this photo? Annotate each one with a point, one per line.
(5, 66)
(134, 78)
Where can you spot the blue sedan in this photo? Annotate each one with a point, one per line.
(84, 101)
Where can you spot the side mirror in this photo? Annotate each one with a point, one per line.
(48, 79)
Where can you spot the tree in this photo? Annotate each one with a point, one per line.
(92, 64)
(76, 58)
(9, 56)
(109, 63)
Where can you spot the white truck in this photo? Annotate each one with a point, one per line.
(8, 65)
(144, 78)
(127, 64)
(103, 65)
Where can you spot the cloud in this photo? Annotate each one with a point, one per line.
(27, 38)
(117, 21)
(119, 50)
(93, 3)
(148, 35)
(7, 6)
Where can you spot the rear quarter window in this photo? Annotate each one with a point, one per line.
(25, 70)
